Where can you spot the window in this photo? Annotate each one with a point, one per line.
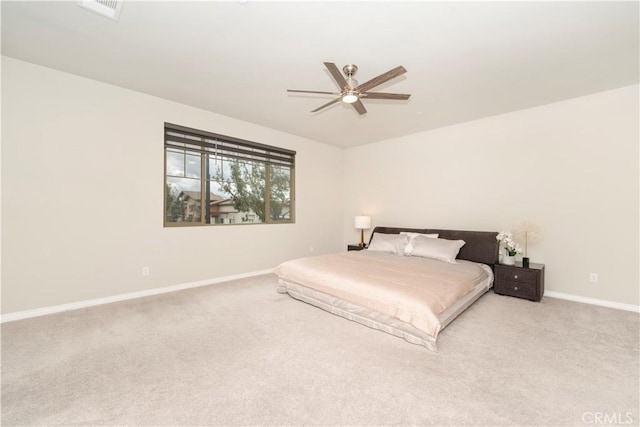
(217, 179)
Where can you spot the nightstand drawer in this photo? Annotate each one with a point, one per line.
(519, 275)
(516, 289)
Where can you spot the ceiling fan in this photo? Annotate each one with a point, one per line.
(352, 92)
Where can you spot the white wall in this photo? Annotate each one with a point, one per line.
(572, 167)
(82, 194)
(82, 183)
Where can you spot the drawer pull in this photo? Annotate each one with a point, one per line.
(515, 288)
(515, 276)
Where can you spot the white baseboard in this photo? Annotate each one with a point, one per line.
(26, 314)
(19, 315)
(593, 301)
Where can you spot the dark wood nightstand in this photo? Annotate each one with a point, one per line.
(517, 281)
(356, 247)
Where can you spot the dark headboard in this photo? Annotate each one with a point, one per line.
(480, 246)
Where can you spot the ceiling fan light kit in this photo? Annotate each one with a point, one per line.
(350, 97)
(351, 91)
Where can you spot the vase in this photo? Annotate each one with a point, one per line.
(508, 259)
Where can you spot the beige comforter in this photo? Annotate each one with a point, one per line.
(412, 289)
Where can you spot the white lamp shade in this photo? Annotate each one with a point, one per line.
(363, 222)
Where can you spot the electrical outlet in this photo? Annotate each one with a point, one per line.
(311, 249)
(593, 277)
(145, 271)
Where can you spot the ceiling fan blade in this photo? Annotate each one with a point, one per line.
(312, 91)
(381, 95)
(336, 74)
(398, 71)
(359, 107)
(326, 105)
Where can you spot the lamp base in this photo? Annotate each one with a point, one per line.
(525, 262)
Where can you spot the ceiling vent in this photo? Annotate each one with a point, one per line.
(108, 8)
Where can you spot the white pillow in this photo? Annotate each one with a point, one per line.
(392, 243)
(441, 249)
(409, 248)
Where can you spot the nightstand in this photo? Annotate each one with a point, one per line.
(517, 281)
(355, 247)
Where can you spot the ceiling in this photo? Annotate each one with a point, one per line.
(464, 60)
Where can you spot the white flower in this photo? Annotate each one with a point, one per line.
(510, 246)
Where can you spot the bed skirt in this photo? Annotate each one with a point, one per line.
(376, 320)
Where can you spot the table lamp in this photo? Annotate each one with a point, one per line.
(362, 223)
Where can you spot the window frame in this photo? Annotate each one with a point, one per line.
(230, 148)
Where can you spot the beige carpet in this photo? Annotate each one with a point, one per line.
(238, 353)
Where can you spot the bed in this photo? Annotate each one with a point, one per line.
(410, 283)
